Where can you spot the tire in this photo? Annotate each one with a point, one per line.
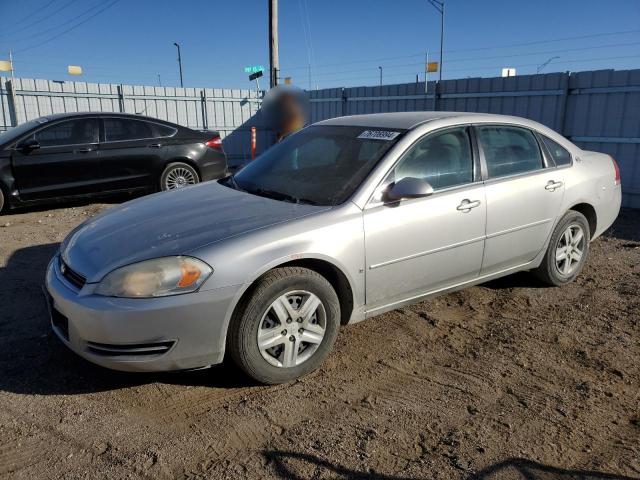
(290, 356)
(560, 264)
(178, 175)
(1, 200)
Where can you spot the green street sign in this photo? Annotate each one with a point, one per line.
(254, 69)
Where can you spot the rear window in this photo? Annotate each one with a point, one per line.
(560, 155)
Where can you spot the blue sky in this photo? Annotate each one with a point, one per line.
(131, 41)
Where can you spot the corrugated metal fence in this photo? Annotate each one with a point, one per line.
(232, 112)
(598, 110)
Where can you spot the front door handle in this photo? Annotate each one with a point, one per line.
(553, 185)
(466, 205)
(155, 145)
(84, 150)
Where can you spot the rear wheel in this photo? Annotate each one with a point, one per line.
(567, 251)
(1, 200)
(287, 327)
(178, 175)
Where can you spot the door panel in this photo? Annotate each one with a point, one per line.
(130, 155)
(523, 205)
(423, 245)
(66, 163)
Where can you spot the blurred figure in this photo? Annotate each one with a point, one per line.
(286, 110)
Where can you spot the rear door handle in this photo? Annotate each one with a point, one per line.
(155, 145)
(84, 150)
(553, 185)
(466, 205)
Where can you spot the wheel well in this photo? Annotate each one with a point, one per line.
(590, 214)
(334, 276)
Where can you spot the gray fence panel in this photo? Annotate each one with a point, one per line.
(230, 111)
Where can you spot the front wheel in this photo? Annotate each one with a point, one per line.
(286, 327)
(1, 200)
(567, 251)
(178, 175)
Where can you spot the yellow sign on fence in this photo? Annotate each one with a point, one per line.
(5, 66)
(432, 67)
(74, 70)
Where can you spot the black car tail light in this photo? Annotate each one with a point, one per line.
(215, 142)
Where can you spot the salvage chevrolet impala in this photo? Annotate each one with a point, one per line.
(344, 220)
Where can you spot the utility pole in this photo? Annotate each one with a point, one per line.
(159, 80)
(380, 75)
(179, 63)
(439, 6)
(274, 63)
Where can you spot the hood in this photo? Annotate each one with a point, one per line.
(170, 223)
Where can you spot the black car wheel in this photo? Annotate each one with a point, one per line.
(178, 175)
(1, 200)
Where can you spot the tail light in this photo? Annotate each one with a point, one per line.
(215, 142)
(617, 170)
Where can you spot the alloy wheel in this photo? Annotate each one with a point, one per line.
(570, 249)
(292, 329)
(179, 177)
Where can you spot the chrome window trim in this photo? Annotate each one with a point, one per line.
(175, 130)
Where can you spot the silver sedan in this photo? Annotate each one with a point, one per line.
(348, 218)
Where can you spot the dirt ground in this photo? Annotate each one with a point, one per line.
(508, 380)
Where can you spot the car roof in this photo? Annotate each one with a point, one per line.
(70, 115)
(409, 120)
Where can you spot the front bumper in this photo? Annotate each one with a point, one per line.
(152, 334)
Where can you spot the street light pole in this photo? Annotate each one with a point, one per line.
(439, 6)
(380, 75)
(179, 63)
(274, 60)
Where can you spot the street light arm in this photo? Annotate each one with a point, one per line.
(438, 5)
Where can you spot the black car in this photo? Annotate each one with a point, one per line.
(91, 154)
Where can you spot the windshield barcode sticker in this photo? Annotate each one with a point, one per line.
(378, 135)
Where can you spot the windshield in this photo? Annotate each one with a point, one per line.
(320, 165)
(16, 132)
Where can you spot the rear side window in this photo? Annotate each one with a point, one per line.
(560, 155)
(162, 130)
(73, 132)
(119, 129)
(442, 159)
(509, 150)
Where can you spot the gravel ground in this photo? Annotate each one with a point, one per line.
(508, 380)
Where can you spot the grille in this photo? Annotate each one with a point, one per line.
(74, 278)
(138, 349)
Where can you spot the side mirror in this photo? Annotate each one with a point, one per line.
(408, 187)
(28, 145)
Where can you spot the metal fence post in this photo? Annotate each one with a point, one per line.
(343, 104)
(203, 99)
(121, 98)
(11, 102)
(564, 100)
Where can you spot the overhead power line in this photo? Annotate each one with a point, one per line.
(495, 47)
(476, 59)
(44, 42)
(29, 17)
(38, 21)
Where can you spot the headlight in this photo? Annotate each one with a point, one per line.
(155, 278)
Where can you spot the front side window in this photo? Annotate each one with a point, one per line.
(321, 164)
(560, 155)
(442, 159)
(120, 129)
(72, 132)
(509, 150)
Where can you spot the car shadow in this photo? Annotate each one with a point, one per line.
(285, 463)
(115, 199)
(34, 361)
